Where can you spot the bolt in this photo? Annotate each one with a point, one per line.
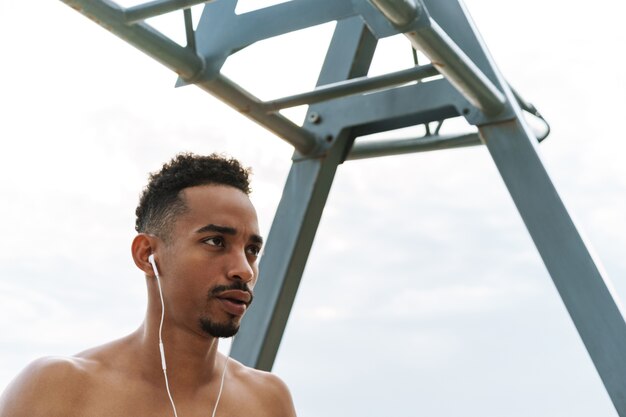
(315, 118)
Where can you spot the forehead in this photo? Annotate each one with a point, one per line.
(217, 204)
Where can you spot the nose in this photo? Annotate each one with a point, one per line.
(240, 267)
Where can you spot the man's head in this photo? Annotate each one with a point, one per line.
(196, 219)
(161, 201)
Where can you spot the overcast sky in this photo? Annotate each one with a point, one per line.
(423, 294)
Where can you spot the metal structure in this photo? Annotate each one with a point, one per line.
(461, 81)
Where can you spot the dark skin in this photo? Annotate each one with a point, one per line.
(124, 377)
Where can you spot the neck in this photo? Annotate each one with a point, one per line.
(192, 358)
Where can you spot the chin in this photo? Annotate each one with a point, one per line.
(221, 330)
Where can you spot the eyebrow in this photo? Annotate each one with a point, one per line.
(227, 230)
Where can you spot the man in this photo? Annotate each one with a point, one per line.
(198, 242)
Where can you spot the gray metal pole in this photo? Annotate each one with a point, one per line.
(372, 149)
(579, 280)
(299, 212)
(355, 86)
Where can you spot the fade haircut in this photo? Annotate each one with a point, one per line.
(161, 202)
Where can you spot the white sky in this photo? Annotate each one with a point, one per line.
(423, 294)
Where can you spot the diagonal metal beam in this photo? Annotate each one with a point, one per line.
(577, 276)
(299, 212)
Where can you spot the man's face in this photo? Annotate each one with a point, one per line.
(209, 266)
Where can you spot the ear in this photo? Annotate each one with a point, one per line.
(143, 245)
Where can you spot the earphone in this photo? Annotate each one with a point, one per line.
(155, 269)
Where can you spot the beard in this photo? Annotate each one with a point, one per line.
(225, 330)
(230, 327)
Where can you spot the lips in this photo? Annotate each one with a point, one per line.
(236, 296)
(235, 302)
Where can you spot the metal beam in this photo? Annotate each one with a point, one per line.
(578, 278)
(189, 32)
(388, 147)
(354, 86)
(299, 212)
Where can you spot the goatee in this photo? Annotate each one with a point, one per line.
(231, 327)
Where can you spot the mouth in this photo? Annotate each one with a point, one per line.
(236, 296)
(235, 302)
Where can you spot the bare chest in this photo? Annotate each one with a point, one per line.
(137, 400)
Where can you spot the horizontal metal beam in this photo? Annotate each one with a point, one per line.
(353, 86)
(156, 8)
(446, 55)
(372, 149)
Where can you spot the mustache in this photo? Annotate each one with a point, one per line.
(236, 285)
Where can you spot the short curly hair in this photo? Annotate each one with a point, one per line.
(161, 203)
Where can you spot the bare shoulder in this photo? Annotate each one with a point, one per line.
(45, 388)
(269, 390)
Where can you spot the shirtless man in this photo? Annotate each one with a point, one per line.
(196, 220)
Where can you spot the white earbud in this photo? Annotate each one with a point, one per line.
(154, 266)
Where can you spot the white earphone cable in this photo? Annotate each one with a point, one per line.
(162, 350)
(219, 394)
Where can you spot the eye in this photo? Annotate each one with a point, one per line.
(253, 250)
(214, 241)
